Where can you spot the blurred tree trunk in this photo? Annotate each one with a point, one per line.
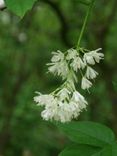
(10, 102)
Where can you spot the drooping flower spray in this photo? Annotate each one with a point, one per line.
(66, 103)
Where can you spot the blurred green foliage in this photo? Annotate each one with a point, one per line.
(25, 48)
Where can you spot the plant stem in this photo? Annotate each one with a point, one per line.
(84, 24)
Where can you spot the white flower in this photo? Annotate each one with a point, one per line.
(58, 108)
(77, 63)
(57, 56)
(79, 100)
(86, 84)
(93, 56)
(63, 94)
(43, 99)
(53, 68)
(68, 111)
(47, 114)
(64, 112)
(97, 56)
(63, 69)
(91, 73)
(77, 97)
(65, 103)
(72, 53)
(59, 68)
(2, 4)
(59, 112)
(88, 58)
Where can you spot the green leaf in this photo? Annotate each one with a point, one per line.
(79, 150)
(86, 150)
(110, 150)
(88, 133)
(19, 7)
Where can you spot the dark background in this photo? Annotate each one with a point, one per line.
(25, 48)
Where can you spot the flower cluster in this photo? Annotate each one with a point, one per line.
(61, 64)
(66, 103)
(62, 106)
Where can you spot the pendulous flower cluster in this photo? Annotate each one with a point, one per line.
(66, 103)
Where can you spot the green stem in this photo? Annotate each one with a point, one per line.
(84, 24)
